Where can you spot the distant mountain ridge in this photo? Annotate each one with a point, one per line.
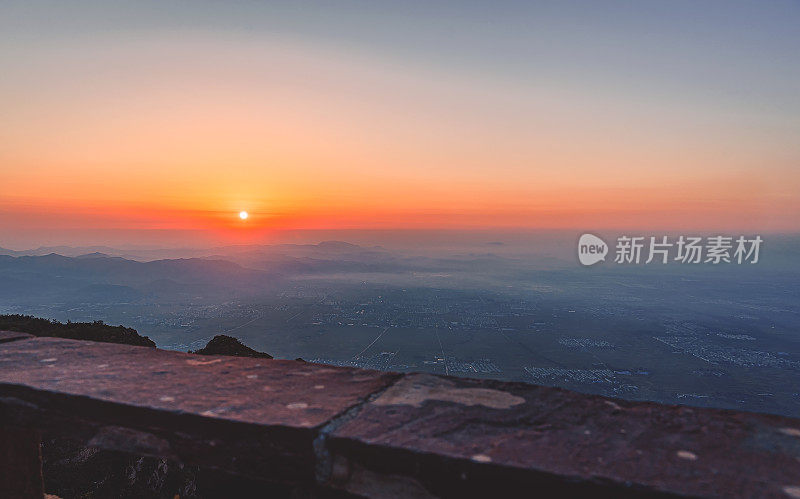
(241, 272)
(57, 278)
(97, 254)
(150, 254)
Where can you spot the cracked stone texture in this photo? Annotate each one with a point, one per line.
(385, 434)
(257, 418)
(516, 435)
(260, 391)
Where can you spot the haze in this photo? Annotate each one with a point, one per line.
(158, 122)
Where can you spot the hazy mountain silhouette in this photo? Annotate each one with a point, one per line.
(100, 278)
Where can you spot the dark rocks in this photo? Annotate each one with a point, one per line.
(92, 331)
(73, 470)
(228, 345)
(20, 455)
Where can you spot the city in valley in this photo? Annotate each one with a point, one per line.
(697, 335)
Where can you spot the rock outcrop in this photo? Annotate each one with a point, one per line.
(228, 345)
(92, 331)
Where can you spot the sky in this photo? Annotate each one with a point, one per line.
(159, 121)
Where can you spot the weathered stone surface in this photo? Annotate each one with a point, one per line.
(250, 416)
(389, 435)
(453, 437)
(8, 336)
(265, 392)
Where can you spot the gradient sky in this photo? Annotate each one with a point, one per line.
(167, 117)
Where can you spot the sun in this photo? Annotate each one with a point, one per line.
(243, 215)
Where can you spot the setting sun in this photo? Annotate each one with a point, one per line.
(243, 215)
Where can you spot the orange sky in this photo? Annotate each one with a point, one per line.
(181, 129)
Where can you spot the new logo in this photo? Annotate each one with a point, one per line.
(591, 249)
